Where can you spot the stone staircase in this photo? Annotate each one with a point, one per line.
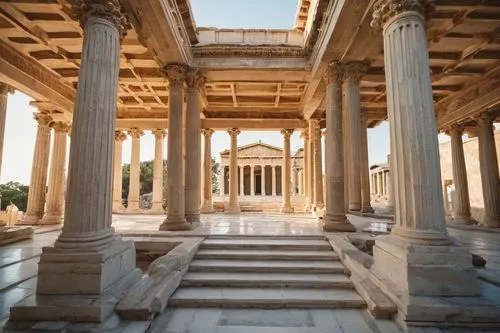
(266, 272)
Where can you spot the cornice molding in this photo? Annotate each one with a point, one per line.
(222, 51)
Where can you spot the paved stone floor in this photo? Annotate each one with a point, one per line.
(19, 261)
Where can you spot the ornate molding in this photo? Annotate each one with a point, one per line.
(120, 136)
(244, 51)
(454, 130)
(109, 10)
(304, 134)
(207, 132)
(5, 89)
(384, 10)
(159, 133)
(135, 133)
(354, 70)
(485, 119)
(334, 73)
(61, 127)
(195, 79)
(287, 133)
(175, 73)
(43, 119)
(233, 132)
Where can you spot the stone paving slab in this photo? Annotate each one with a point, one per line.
(18, 272)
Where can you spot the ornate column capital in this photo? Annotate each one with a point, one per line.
(175, 73)
(384, 10)
(159, 133)
(484, 118)
(109, 10)
(207, 132)
(43, 119)
(61, 127)
(334, 73)
(195, 79)
(354, 70)
(136, 133)
(323, 132)
(233, 132)
(5, 89)
(304, 134)
(287, 133)
(454, 130)
(120, 136)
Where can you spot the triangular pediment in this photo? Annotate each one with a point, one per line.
(257, 149)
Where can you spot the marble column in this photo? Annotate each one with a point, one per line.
(176, 213)
(263, 180)
(353, 71)
(252, 180)
(415, 258)
(306, 169)
(195, 82)
(38, 182)
(300, 177)
(310, 163)
(345, 136)
(134, 187)
(273, 180)
(207, 206)
(488, 166)
(242, 180)
(286, 206)
(390, 188)
(222, 183)
(461, 203)
(318, 170)
(87, 239)
(334, 218)
(54, 210)
(4, 90)
(157, 205)
(233, 207)
(364, 169)
(117, 173)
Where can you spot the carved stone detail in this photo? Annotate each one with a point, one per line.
(384, 10)
(287, 133)
(120, 136)
(334, 72)
(5, 89)
(109, 10)
(354, 70)
(304, 134)
(43, 119)
(159, 133)
(175, 73)
(233, 132)
(222, 51)
(195, 79)
(135, 133)
(61, 127)
(207, 132)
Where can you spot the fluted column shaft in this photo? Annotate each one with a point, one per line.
(488, 165)
(157, 205)
(252, 180)
(222, 185)
(364, 169)
(353, 72)
(117, 172)
(273, 180)
(461, 203)
(39, 168)
(306, 170)
(263, 180)
(176, 217)
(135, 171)
(90, 175)
(207, 206)
(4, 90)
(54, 209)
(233, 206)
(310, 164)
(417, 178)
(390, 187)
(334, 218)
(318, 170)
(286, 206)
(242, 180)
(195, 82)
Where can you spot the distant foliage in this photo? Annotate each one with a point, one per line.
(16, 193)
(146, 177)
(215, 175)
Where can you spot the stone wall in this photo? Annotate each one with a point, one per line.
(473, 174)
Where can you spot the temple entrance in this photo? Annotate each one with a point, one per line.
(258, 187)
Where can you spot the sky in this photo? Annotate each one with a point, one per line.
(277, 14)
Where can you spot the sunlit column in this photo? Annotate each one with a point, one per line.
(263, 180)
(117, 172)
(318, 170)
(252, 180)
(4, 90)
(157, 206)
(207, 206)
(135, 171)
(273, 180)
(286, 206)
(306, 169)
(233, 207)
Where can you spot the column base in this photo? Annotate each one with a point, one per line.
(29, 219)
(52, 218)
(174, 223)
(491, 221)
(286, 209)
(462, 220)
(232, 209)
(354, 206)
(207, 209)
(337, 223)
(80, 285)
(156, 210)
(367, 209)
(193, 218)
(133, 206)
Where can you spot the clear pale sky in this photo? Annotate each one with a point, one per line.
(278, 14)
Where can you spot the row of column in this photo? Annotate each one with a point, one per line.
(312, 173)
(379, 183)
(263, 178)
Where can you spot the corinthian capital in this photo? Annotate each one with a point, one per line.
(354, 70)
(109, 10)
(287, 133)
(233, 132)
(135, 133)
(120, 136)
(159, 133)
(175, 73)
(43, 119)
(207, 132)
(5, 89)
(304, 134)
(195, 79)
(61, 127)
(334, 73)
(384, 10)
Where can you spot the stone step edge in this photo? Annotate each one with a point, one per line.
(268, 303)
(268, 284)
(267, 269)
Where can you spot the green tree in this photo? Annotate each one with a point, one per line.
(145, 177)
(15, 192)
(215, 175)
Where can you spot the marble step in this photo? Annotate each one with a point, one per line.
(266, 298)
(255, 254)
(265, 244)
(230, 279)
(266, 266)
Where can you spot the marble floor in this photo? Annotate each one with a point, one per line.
(19, 263)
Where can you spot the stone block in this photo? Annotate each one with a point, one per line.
(10, 235)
